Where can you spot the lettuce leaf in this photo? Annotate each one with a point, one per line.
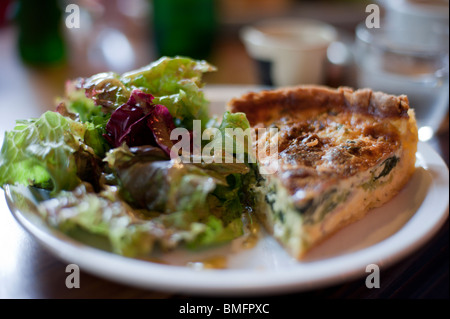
(140, 122)
(76, 105)
(161, 185)
(48, 152)
(235, 138)
(128, 231)
(181, 195)
(77, 102)
(128, 122)
(216, 233)
(174, 82)
(102, 214)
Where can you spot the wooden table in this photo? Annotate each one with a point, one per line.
(27, 270)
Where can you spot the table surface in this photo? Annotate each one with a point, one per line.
(27, 270)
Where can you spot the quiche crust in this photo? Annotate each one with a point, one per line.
(341, 152)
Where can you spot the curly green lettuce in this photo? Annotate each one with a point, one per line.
(174, 82)
(182, 193)
(128, 231)
(48, 152)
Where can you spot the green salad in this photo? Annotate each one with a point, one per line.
(102, 162)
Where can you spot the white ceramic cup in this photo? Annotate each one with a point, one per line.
(289, 51)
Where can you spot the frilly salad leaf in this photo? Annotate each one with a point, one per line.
(106, 90)
(123, 108)
(140, 122)
(77, 106)
(49, 152)
(174, 82)
(126, 229)
(215, 233)
(161, 185)
(234, 138)
(76, 101)
(102, 214)
(208, 194)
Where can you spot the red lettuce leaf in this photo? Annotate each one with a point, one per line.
(105, 89)
(161, 124)
(140, 122)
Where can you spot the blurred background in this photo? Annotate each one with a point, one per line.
(44, 43)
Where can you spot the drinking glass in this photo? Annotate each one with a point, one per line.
(418, 69)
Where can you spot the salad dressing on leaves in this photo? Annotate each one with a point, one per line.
(215, 262)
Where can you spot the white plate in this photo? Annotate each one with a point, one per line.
(386, 235)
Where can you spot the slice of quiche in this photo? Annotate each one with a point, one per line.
(340, 153)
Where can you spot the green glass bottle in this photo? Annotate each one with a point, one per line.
(184, 27)
(40, 37)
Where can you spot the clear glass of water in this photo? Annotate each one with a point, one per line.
(419, 69)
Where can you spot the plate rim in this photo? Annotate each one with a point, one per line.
(245, 281)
